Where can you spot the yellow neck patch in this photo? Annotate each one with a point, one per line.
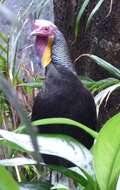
(47, 57)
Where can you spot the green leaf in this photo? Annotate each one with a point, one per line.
(3, 48)
(104, 95)
(107, 154)
(11, 95)
(60, 187)
(99, 85)
(66, 121)
(105, 65)
(11, 145)
(2, 59)
(35, 185)
(32, 84)
(92, 183)
(3, 37)
(6, 180)
(20, 161)
(58, 145)
(78, 178)
(81, 11)
(94, 11)
(60, 121)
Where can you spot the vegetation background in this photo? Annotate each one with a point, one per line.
(92, 30)
(102, 39)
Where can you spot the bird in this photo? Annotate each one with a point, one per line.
(63, 95)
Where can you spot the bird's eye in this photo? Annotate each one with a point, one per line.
(46, 28)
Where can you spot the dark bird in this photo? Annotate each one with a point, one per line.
(63, 94)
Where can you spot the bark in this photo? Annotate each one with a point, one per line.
(102, 39)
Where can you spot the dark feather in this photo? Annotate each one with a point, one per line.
(64, 96)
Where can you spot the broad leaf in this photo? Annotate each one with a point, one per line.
(6, 180)
(107, 154)
(20, 161)
(58, 145)
(35, 185)
(76, 176)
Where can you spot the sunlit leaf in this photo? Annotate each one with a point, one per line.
(65, 121)
(59, 145)
(20, 161)
(60, 187)
(6, 180)
(107, 154)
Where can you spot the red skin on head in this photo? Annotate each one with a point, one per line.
(43, 30)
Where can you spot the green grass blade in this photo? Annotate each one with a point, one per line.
(10, 94)
(3, 37)
(65, 121)
(3, 48)
(32, 84)
(94, 11)
(105, 65)
(81, 11)
(2, 59)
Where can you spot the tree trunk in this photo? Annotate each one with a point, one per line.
(101, 39)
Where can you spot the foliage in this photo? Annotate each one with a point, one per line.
(92, 14)
(105, 87)
(96, 169)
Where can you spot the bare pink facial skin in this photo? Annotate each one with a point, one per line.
(43, 30)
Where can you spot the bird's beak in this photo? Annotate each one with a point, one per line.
(34, 33)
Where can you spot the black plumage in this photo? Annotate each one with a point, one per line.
(63, 95)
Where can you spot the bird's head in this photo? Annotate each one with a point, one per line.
(45, 32)
(50, 45)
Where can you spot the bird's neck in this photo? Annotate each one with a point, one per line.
(60, 54)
